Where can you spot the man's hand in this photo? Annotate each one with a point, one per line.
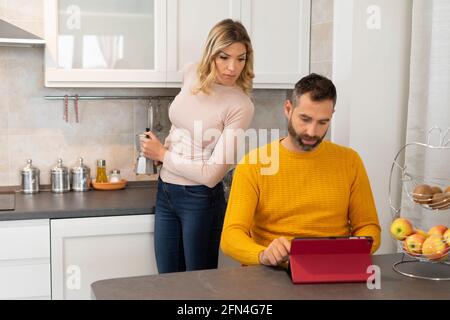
(276, 253)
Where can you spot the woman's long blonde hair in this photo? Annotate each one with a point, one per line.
(223, 34)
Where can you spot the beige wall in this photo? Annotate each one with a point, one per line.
(32, 127)
(322, 37)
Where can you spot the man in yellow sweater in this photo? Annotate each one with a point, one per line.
(320, 189)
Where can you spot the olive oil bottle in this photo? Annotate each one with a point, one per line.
(101, 172)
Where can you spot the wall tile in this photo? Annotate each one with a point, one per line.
(117, 150)
(321, 11)
(4, 180)
(269, 112)
(4, 157)
(322, 42)
(324, 68)
(3, 117)
(4, 90)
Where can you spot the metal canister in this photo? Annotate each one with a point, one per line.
(30, 178)
(81, 177)
(59, 177)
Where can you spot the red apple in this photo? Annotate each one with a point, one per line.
(434, 247)
(437, 230)
(401, 228)
(414, 242)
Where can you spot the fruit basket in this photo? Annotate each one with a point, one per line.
(429, 193)
(425, 255)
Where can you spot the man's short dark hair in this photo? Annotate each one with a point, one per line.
(319, 87)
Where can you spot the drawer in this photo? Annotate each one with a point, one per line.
(25, 279)
(24, 239)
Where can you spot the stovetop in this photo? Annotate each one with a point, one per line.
(7, 201)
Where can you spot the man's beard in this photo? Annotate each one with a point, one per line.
(297, 138)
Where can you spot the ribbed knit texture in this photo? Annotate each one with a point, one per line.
(197, 144)
(321, 193)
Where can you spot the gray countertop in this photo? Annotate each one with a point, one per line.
(265, 283)
(136, 198)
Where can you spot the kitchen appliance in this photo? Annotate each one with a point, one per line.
(143, 164)
(59, 177)
(81, 177)
(30, 178)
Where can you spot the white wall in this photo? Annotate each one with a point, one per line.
(371, 72)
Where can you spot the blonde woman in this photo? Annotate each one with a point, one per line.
(213, 102)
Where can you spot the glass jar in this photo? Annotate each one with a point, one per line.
(101, 172)
(114, 176)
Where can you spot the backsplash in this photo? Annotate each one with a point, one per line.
(32, 127)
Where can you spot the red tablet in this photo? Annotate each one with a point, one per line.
(334, 259)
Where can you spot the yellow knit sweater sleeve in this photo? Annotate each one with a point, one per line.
(362, 213)
(244, 196)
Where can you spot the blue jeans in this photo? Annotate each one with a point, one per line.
(188, 226)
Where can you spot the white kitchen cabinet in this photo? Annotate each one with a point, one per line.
(105, 43)
(146, 43)
(25, 259)
(280, 33)
(187, 30)
(85, 250)
(279, 30)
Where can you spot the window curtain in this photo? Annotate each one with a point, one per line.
(428, 107)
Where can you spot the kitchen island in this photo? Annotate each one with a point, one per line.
(265, 283)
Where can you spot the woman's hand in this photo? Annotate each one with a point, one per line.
(153, 148)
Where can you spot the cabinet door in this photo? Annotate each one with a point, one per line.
(25, 259)
(280, 36)
(85, 250)
(188, 28)
(105, 43)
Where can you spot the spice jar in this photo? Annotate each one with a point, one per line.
(59, 178)
(114, 176)
(30, 178)
(81, 177)
(101, 172)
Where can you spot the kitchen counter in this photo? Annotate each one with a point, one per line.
(136, 198)
(265, 283)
